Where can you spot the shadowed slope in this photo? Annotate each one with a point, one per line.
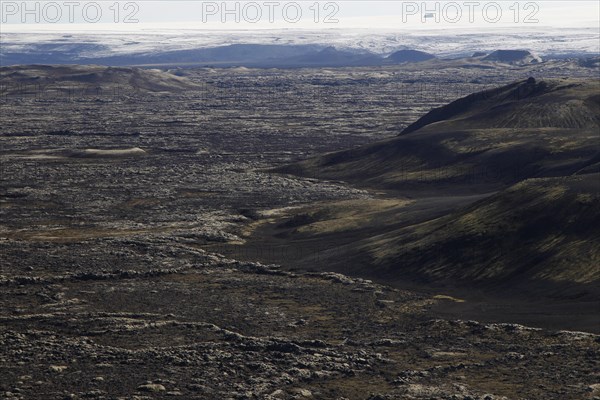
(525, 104)
(537, 230)
(513, 57)
(539, 236)
(529, 148)
(402, 56)
(481, 142)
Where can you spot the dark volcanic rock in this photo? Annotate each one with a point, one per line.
(131, 275)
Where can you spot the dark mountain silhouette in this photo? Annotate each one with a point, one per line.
(513, 57)
(527, 104)
(330, 57)
(402, 56)
(49, 53)
(230, 55)
(249, 55)
(485, 140)
(590, 62)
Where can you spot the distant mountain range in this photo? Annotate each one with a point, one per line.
(248, 55)
(41, 46)
(240, 54)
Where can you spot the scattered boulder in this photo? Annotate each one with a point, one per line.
(301, 393)
(151, 387)
(57, 368)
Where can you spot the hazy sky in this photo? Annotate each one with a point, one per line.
(232, 15)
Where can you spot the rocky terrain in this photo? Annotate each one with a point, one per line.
(133, 259)
(217, 328)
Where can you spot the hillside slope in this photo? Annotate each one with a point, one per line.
(500, 190)
(402, 56)
(537, 230)
(525, 104)
(481, 142)
(541, 234)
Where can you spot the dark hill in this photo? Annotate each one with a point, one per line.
(241, 54)
(332, 57)
(539, 235)
(402, 56)
(525, 104)
(481, 142)
(246, 54)
(498, 191)
(513, 57)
